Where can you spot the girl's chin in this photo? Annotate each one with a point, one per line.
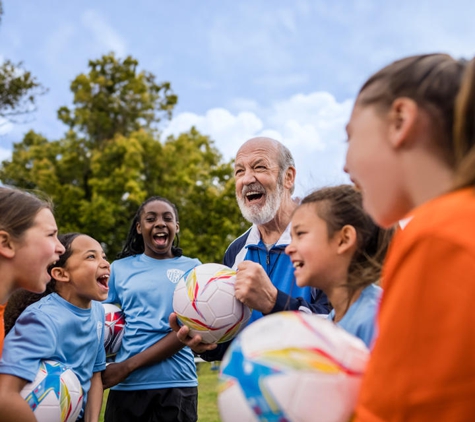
(301, 282)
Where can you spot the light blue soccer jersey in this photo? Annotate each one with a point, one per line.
(360, 319)
(55, 329)
(143, 287)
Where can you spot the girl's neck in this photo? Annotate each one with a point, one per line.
(340, 299)
(159, 257)
(427, 177)
(73, 299)
(7, 285)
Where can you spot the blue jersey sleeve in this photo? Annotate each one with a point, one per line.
(32, 339)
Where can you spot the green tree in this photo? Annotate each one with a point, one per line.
(114, 98)
(18, 89)
(111, 159)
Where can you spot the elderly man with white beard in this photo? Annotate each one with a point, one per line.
(264, 172)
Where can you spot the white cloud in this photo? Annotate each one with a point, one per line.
(227, 130)
(5, 126)
(105, 35)
(312, 126)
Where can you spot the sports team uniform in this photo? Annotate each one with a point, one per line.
(422, 366)
(55, 329)
(280, 270)
(360, 319)
(143, 287)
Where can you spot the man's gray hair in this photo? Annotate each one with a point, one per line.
(285, 161)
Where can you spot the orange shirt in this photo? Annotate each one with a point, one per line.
(2, 327)
(422, 367)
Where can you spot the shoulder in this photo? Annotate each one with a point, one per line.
(188, 260)
(97, 307)
(448, 218)
(124, 262)
(238, 243)
(372, 292)
(47, 313)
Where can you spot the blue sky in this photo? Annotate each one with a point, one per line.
(241, 68)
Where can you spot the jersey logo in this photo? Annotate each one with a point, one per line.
(174, 275)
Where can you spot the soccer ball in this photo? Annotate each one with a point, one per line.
(113, 328)
(291, 366)
(204, 301)
(55, 395)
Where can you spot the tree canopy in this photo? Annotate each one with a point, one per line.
(18, 88)
(111, 159)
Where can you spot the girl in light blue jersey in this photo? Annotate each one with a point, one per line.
(64, 326)
(337, 248)
(154, 376)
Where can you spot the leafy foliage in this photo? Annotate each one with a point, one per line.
(111, 159)
(18, 88)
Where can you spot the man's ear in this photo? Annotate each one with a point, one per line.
(289, 178)
(403, 117)
(7, 247)
(60, 274)
(346, 239)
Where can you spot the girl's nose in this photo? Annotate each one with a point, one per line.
(60, 249)
(289, 248)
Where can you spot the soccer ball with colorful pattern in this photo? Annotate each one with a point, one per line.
(55, 395)
(204, 301)
(113, 328)
(291, 366)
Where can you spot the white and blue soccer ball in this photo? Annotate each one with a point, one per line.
(55, 395)
(291, 367)
(204, 301)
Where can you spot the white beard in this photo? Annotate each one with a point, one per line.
(262, 214)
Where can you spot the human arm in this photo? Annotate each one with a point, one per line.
(94, 399)
(13, 407)
(164, 348)
(319, 303)
(254, 288)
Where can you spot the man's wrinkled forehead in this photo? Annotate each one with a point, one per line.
(257, 151)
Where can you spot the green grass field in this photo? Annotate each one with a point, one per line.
(207, 394)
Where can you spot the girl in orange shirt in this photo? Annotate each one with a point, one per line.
(411, 151)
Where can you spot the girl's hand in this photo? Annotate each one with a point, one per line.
(183, 334)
